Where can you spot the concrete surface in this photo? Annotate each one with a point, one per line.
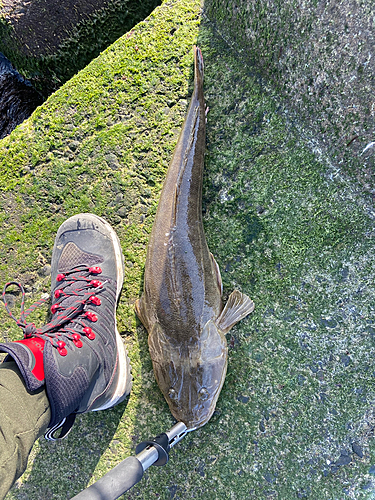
(287, 225)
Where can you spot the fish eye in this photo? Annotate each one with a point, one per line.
(172, 393)
(203, 394)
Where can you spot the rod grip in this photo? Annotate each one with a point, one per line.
(113, 484)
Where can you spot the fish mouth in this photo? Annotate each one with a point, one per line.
(193, 421)
(192, 425)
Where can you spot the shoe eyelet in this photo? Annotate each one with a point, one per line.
(61, 348)
(58, 293)
(95, 300)
(95, 283)
(77, 340)
(89, 333)
(91, 316)
(54, 308)
(95, 270)
(60, 277)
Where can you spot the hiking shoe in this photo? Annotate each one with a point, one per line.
(79, 355)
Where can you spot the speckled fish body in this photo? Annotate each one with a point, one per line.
(181, 304)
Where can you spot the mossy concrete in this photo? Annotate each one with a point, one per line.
(320, 57)
(49, 41)
(295, 418)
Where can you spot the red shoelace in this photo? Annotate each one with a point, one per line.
(69, 313)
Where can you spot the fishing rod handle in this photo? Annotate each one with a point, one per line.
(113, 484)
(130, 471)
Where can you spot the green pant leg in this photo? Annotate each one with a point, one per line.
(24, 416)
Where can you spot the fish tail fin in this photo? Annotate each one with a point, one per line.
(198, 65)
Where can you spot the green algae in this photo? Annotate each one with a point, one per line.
(318, 57)
(285, 225)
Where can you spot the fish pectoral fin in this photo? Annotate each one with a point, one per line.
(238, 307)
(139, 309)
(216, 268)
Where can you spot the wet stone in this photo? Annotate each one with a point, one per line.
(74, 145)
(304, 493)
(357, 450)
(243, 399)
(10, 300)
(45, 271)
(123, 212)
(345, 360)
(344, 273)
(314, 368)
(328, 322)
(258, 357)
(112, 161)
(343, 460)
(323, 397)
(372, 470)
(172, 491)
(262, 427)
(228, 268)
(270, 493)
(270, 478)
(200, 469)
(367, 486)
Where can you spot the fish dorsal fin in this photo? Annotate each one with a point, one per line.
(216, 268)
(238, 307)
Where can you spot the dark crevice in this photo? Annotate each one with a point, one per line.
(45, 71)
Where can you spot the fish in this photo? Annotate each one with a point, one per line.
(181, 304)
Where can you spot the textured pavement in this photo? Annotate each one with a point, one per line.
(287, 225)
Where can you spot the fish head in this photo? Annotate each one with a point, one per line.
(190, 374)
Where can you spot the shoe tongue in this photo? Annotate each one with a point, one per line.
(72, 256)
(78, 287)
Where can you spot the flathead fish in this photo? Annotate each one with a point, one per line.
(181, 305)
